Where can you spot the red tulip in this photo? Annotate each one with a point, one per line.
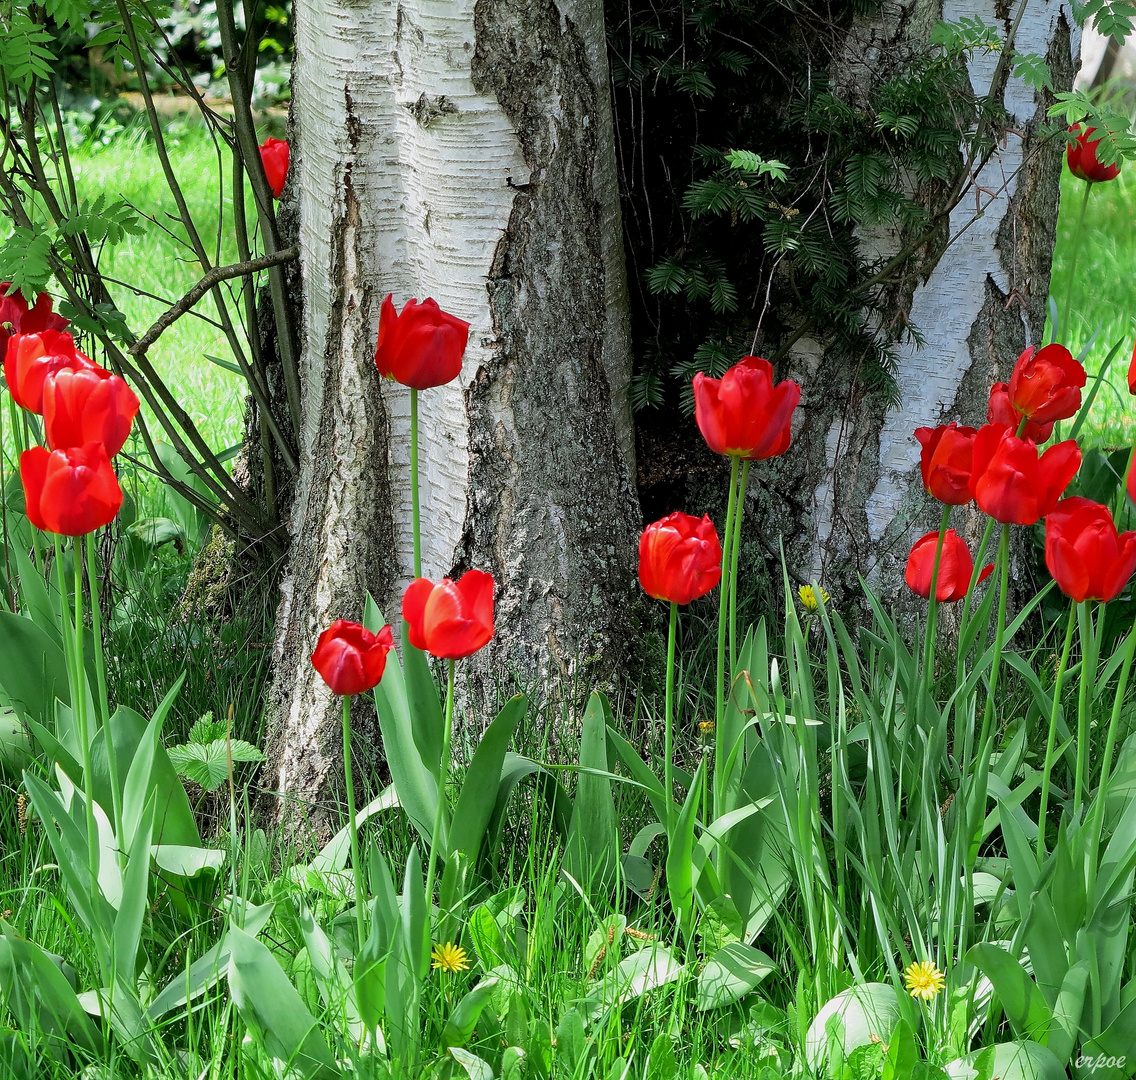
(349, 658)
(945, 462)
(1011, 483)
(274, 155)
(87, 406)
(1132, 372)
(31, 358)
(422, 347)
(14, 313)
(1083, 161)
(72, 491)
(1046, 385)
(955, 567)
(1086, 557)
(680, 558)
(451, 619)
(1001, 411)
(743, 414)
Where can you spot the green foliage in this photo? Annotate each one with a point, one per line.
(207, 757)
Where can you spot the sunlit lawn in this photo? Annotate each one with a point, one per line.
(1103, 296)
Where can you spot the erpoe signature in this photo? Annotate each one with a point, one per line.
(1101, 1061)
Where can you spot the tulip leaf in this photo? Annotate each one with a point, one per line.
(34, 672)
(593, 847)
(640, 772)
(1023, 1060)
(731, 973)
(424, 702)
(478, 796)
(39, 996)
(681, 872)
(413, 779)
(1020, 998)
(459, 1027)
(274, 1011)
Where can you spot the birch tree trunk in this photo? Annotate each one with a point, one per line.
(459, 149)
(849, 498)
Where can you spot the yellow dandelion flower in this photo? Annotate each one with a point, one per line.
(809, 597)
(924, 980)
(706, 727)
(449, 957)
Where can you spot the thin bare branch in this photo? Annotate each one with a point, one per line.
(208, 282)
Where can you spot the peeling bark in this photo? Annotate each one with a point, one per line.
(460, 150)
(849, 497)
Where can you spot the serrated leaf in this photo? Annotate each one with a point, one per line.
(208, 764)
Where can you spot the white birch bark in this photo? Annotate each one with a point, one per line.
(982, 302)
(459, 150)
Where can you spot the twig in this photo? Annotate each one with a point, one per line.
(212, 278)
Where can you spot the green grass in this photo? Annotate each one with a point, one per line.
(1103, 297)
(161, 264)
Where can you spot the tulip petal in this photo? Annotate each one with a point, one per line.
(413, 608)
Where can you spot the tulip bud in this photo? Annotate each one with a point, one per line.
(422, 346)
(350, 659)
(451, 619)
(680, 558)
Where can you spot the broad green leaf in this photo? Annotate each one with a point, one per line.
(34, 672)
(139, 778)
(475, 1067)
(681, 870)
(425, 704)
(859, 1014)
(187, 861)
(1116, 1042)
(592, 852)
(483, 778)
(333, 855)
(39, 995)
(640, 772)
(485, 934)
(902, 1054)
(208, 764)
(207, 970)
(1020, 998)
(330, 974)
(15, 750)
(273, 1011)
(173, 819)
(461, 1022)
(135, 898)
(643, 971)
(731, 973)
(413, 779)
(1011, 1061)
(1067, 1010)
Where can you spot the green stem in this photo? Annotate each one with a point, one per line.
(735, 548)
(353, 825)
(1047, 769)
(1106, 764)
(723, 611)
(1088, 675)
(415, 514)
(999, 636)
(443, 776)
(1066, 310)
(79, 705)
(960, 659)
(104, 703)
(668, 727)
(927, 675)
